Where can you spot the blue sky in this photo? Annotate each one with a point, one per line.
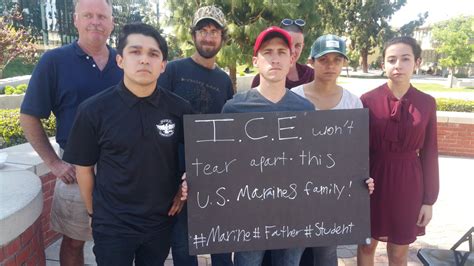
(438, 10)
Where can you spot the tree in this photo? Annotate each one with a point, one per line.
(129, 11)
(366, 23)
(14, 42)
(354, 58)
(245, 20)
(454, 41)
(24, 13)
(410, 27)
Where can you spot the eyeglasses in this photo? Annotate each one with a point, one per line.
(212, 34)
(288, 21)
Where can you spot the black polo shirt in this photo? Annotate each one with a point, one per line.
(134, 142)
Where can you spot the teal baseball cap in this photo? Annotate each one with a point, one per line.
(328, 44)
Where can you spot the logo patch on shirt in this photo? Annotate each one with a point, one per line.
(166, 127)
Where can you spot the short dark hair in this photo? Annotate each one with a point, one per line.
(206, 22)
(415, 47)
(144, 29)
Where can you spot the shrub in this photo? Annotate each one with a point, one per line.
(10, 131)
(460, 75)
(454, 105)
(9, 90)
(22, 88)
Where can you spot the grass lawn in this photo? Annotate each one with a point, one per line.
(440, 88)
(17, 68)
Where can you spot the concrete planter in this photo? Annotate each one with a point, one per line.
(11, 101)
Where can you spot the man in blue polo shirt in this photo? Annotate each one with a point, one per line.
(63, 78)
(131, 132)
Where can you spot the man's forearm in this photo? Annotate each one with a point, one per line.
(85, 179)
(34, 133)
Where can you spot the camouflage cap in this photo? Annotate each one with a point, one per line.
(209, 12)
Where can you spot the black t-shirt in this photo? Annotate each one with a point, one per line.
(206, 89)
(134, 142)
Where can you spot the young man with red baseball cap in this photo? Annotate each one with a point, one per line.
(272, 57)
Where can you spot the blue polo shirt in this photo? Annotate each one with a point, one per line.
(63, 78)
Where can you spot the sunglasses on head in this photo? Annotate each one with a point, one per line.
(298, 22)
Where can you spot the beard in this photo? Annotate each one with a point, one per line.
(207, 53)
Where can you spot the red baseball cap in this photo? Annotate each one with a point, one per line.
(270, 33)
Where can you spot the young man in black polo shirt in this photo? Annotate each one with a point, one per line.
(131, 132)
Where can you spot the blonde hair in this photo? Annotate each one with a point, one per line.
(109, 3)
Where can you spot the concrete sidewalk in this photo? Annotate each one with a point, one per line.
(453, 216)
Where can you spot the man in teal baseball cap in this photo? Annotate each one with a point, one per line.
(327, 57)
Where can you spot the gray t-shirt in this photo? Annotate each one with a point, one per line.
(253, 101)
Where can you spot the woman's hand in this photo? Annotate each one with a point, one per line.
(426, 212)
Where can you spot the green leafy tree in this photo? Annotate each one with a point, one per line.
(354, 58)
(367, 23)
(410, 27)
(454, 41)
(246, 19)
(129, 11)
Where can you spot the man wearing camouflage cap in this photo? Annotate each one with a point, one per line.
(201, 82)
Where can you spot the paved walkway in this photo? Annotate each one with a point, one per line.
(453, 216)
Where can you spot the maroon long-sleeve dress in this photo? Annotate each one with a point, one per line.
(403, 161)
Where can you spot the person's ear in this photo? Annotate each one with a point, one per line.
(292, 58)
(163, 66)
(74, 18)
(119, 60)
(418, 63)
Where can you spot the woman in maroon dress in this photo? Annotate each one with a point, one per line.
(403, 155)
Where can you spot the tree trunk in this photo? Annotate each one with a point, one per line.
(233, 76)
(451, 77)
(1, 73)
(364, 54)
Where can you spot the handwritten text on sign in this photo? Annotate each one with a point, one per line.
(277, 180)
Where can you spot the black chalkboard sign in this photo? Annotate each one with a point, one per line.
(260, 181)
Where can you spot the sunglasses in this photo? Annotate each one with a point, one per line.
(298, 22)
